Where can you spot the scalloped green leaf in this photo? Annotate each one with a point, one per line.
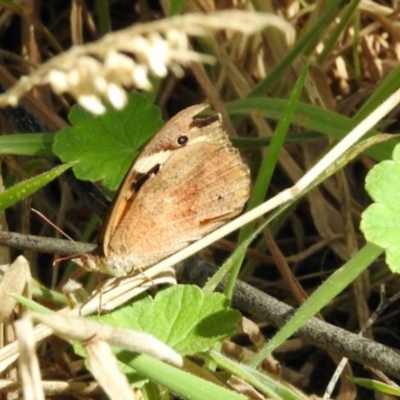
(182, 316)
(106, 145)
(380, 222)
(26, 188)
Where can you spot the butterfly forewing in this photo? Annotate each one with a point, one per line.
(154, 155)
(210, 186)
(188, 181)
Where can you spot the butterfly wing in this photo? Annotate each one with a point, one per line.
(197, 189)
(153, 157)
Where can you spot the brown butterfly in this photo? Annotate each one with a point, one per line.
(188, 181)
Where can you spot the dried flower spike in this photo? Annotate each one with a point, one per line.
(102, 70)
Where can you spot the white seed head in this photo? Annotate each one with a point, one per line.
(140, 79)
(100, 70)
(92, 103)
(116, 96)
(100, 83)
(73, 78)
(58, 81)
(158, 55)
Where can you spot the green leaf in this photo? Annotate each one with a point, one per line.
(380, 222)
(106, 145)
(26, 188)
(182, 316)
(27, 144)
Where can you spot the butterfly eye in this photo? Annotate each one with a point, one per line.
(182, 140)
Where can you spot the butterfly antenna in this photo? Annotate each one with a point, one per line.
(53, 225)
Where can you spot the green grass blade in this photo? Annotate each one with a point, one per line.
(180, 382)
(266, 170)
(26, 188)
(27, 144)
(312, 118)
(269, 385)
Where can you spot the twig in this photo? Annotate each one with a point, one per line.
(319, 333)
(44, 244)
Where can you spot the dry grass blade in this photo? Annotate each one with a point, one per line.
(105, 369)
(96, 339)
(75, 328)
(28, 361)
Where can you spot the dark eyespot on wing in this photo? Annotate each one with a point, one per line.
(182, 140)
